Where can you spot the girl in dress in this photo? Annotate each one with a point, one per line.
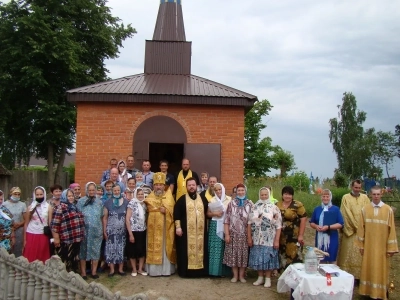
(136, 225)
(264, 229)
(37, 244)
(235, 228)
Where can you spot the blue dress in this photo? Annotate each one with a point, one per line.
(92, 213)
(332, 216)
(116, 232)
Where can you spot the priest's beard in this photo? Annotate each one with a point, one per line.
(211, 191)
(192, 195)
(158, 193)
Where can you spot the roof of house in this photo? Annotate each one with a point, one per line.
(206, 91)
(4, 171)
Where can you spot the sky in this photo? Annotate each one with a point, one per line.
(300, 55)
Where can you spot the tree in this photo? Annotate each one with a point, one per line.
(48, 47)
(397, 135)
(284, 161)
(346, 135)
(257, 160)
(383, 148)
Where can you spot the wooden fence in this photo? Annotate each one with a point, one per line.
(27, 180)
(22, 280)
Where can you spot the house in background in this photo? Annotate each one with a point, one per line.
(164, 113)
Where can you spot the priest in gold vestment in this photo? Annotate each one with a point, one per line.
(161, 252)
(183, 175)
(377, 242)
(352, 203)
(190, 214)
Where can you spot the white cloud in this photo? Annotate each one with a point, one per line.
(301, 55)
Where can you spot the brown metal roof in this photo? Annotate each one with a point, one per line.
(169, 25)
(162, 84)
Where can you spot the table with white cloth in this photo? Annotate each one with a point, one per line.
(315, 286)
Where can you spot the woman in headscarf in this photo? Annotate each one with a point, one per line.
(236, 240)
(123, 174)
(7, 235)
(294, 218)
(264, 228)
(68, 229)
(216, 244)
(136, 225)
(92, 209)
(115, 230)
(326, 220)
(77, 190)
(18, 210)
(37, 244)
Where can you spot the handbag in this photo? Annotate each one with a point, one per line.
(46, 229)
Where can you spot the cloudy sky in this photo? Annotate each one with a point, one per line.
(300, 55)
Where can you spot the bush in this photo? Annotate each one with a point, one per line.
(299, 181)
(337, 195)
(71, 172)
(340, 179)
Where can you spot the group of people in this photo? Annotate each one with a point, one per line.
(190, 225)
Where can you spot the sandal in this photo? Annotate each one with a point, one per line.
(142, 273)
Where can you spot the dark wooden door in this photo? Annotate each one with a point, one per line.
(204, 158)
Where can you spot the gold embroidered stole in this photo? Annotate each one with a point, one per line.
(195, 232)
(181, 184)
(208, 196)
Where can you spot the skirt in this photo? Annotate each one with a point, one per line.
(236, 253)
(138, 248)
(263, 258)
(37, 247)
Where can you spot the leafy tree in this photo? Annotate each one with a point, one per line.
(397, 134)
(284, 161)
(48, 47)
(383, 147)
(299, 181)
(257, 160)
(346, 135)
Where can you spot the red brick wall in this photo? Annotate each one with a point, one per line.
(106, 130)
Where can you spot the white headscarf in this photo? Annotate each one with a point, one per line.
(220, 221)
(266, 201)
(139, 203)
(34, 202)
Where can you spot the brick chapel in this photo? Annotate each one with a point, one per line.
(163, 113)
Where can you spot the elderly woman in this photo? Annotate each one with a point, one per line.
(37, 244)
(18, 210)
(326, 220)
(136, 225)
(115, 230)
(294, 218)
(68, 229)
(264, 228)
(216, 244)
(92, 210)
(77, 190)
(123, 174)
(235, 227)
(7, 236)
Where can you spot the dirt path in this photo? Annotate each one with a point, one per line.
(176, 288)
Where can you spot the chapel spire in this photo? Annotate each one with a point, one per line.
(169, 25)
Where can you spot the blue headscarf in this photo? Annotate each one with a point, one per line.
(64, 199)
(116, 197)
(241, 199)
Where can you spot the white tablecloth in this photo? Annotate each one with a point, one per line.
(314, 286)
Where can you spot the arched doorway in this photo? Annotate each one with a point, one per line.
(158, 138)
